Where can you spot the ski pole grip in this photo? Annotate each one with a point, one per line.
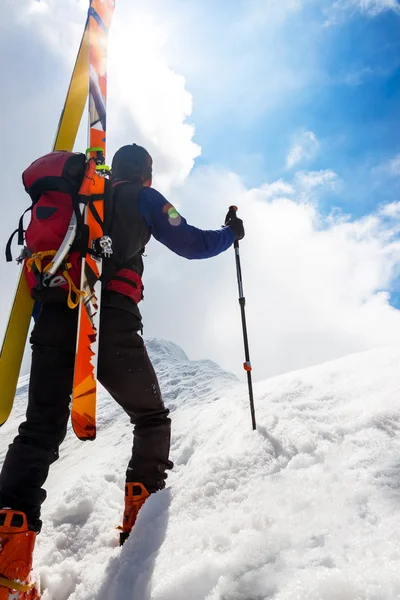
(231, 214)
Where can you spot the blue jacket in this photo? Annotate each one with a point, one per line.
(172, 230)
(136, 215)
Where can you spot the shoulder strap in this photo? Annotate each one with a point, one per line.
(110, 202)
(108, 206)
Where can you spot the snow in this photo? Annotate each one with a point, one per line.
(305, 508)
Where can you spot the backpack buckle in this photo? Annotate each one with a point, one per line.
(24, 254)
(103, 246)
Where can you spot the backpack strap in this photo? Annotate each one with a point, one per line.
(42, 185)
(110, 202)
(109, 266)
(96, 215)
(20, 231)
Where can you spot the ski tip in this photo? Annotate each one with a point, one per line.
(84, 429)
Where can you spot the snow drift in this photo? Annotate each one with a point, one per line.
(305, 508)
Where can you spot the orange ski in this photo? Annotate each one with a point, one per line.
(83, 412)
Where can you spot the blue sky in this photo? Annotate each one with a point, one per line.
(348, 95)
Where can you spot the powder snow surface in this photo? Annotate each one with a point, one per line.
(307, 507)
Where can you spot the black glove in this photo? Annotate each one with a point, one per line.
(235, 223)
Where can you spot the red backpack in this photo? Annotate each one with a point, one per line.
(53, 183)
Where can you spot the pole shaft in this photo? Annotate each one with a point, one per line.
(247, 365)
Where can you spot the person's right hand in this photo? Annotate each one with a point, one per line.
(236, 224)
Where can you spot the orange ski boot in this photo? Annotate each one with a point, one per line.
(16, 554)
(135, 496)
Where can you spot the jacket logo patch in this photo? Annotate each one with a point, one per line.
(173, 216)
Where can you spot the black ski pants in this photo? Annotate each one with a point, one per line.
(127, 374)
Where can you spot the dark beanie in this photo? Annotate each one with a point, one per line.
(132, 162)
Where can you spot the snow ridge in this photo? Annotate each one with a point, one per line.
(305, 508)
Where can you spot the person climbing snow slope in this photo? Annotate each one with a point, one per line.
(135, 212)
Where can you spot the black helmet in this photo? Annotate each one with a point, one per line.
(132, 162)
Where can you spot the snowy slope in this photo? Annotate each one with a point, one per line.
(306, 508)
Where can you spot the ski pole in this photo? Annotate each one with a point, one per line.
(242, 302)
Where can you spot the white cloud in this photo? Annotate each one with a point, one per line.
(276, 189)
(271, 13)
(342, 8)
(308, 183)
(37, 7)
(316, 287)
(305, 146)
(387, 169)
(391, 210)
(147, 101)
(59, 24)
(374, 7)
(394, 165)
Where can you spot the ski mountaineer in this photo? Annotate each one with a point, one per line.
(125, 370)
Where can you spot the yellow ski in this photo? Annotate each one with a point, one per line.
(18, 324)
